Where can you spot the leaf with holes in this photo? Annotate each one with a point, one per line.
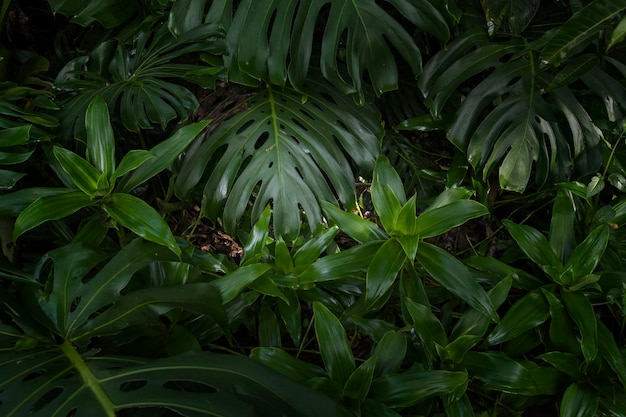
(508, 122)
(58, 380)
(365, 30)
(286, 152)
(136, 81)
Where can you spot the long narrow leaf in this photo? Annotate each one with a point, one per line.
(579, 402)
(580, 309)
(142, 219)
(50, 207)
(100, 140)
(333, 344)
(536, 247)
(528, 312)
(454, 276)
(577, 30)
(383, 270)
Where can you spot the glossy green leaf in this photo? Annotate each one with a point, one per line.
(389, 352)
(473, 322)
(501, 373)
(50, 207)
(567, 363)
(595, 186)
(12, 204)
(459, 408)
(234, 283)
(457, 349)
(580, 28)
(454, 276)
(562, 239)
(257, 240)
(195, 383)
(142, 219)
(587, 255)
(618, 35)
(166, 152)
(269, 331)
(333, 344)
(82, 173)
(100, 139)
(131, 161)
(291, 314)
(346, 263)
(282, 257)
(387, 193)
(185, 15)
(280, 361)
(573, 71)
(359, 383)
(372, 28)
(611, 352)
(581, 311)
(427, 326)
(382, 271)
(525, 314)
(441, 219)
(412, 387)
(562, 330)
(286, 151)
(313, 248)
(144, 306)
(267, 285)
(8, 179)
(15, 135)
(354, 226)
(579, 402)
(536, 247)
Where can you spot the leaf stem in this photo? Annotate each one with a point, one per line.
(89, 378)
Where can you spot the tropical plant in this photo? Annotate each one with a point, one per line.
(94, 182)
(339, 238)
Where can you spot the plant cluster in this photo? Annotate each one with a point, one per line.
(313, 208)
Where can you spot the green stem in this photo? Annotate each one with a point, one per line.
(89, 378)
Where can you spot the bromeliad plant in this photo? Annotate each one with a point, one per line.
(99, 181)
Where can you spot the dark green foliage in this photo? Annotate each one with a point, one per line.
(304, 208)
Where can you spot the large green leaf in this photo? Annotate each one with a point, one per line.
(507, 120)
(165, 153)
(333, 344)
(57, 380)
(82, 173)
(141, 218)
(383, 270)
(579, 402)
(582, 312)
(50, 207)
(441, 219)
(286, 152)
(69, 303)
(528, 312)
(500, 372)
(363, 29)
(578, 30)
(536, 247)
(411, 387)
(455, 277)
(135, 80)
(100, 140)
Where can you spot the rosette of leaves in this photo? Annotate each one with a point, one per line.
(276, 41)
(140, 82)
(57, 346)
(284, 149)
(100, 181)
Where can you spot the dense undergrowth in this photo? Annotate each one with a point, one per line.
(313, 208)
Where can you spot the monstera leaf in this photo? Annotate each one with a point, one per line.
(509, 120)
(283, 150)
(136, 81)
(73, 298)
(274, 40)
(57, 380)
